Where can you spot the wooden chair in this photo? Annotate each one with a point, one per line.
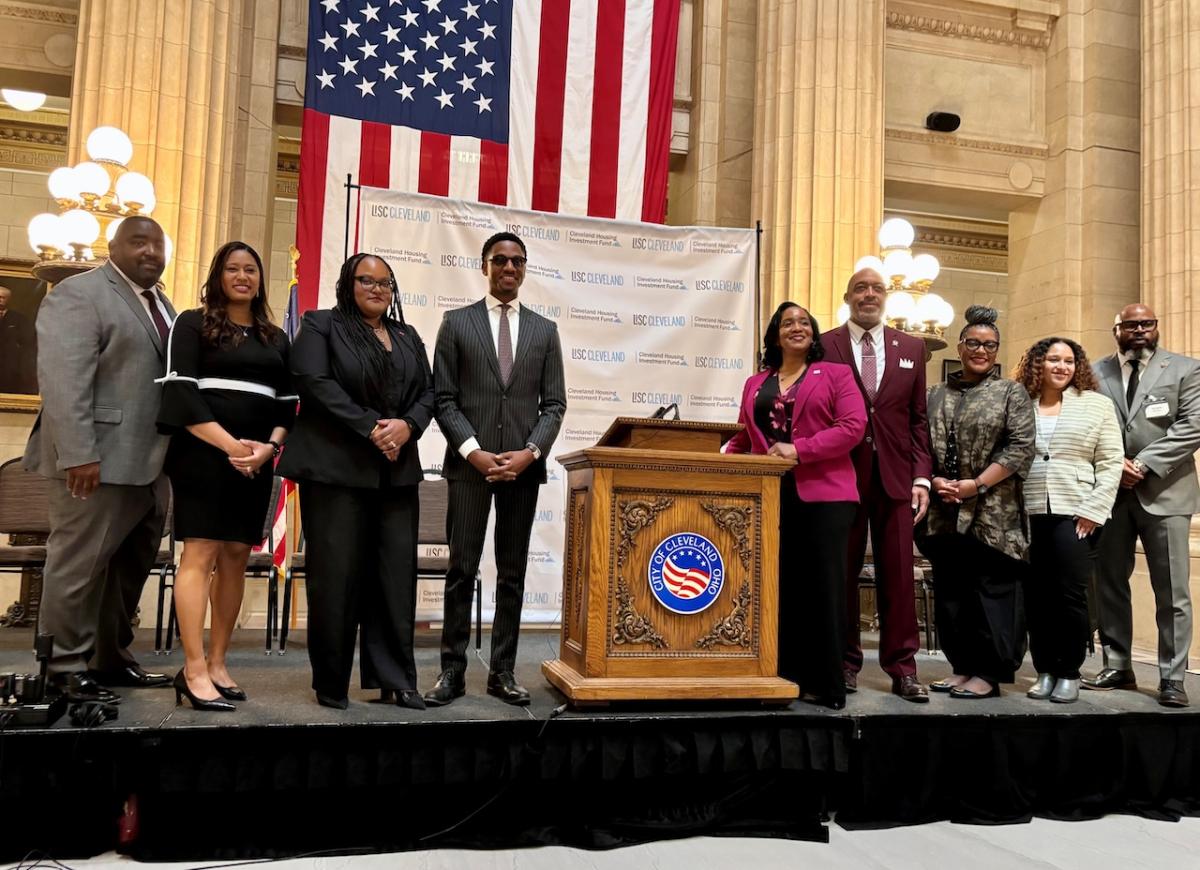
(24, 510)
(922, 589)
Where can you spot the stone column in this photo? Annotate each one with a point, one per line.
(1170, 197)
(818, 145)
(192, 83)
(1073, 256)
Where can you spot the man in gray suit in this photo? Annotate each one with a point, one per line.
(101, 340)
(501, 395)
(1157, 396)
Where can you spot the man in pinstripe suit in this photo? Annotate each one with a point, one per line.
(501, 395)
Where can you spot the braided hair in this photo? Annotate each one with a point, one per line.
(373, 358)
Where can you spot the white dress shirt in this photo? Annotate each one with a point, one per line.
(856, 337)
(138, 291)
(1127, 369)
(514, 320)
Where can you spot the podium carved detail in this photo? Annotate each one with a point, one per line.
(635, 516)
(735, 521)
(632, 627)
(734, 629)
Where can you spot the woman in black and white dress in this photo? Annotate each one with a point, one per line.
(227, 403)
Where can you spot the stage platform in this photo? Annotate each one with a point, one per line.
(284, 776)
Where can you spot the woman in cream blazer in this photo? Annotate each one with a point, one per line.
(1069, 494)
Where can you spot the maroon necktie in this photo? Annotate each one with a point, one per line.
(504, 349)
(869, 377)
(160, 322)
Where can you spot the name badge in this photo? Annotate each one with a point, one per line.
(1157, 410)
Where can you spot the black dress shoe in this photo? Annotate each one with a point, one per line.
(80, 687)
(329, 701)
(133, 676)
(910, 689)
(411, 699)
(504, 686)
(1110, 678)
(850, 678)
(825, 701)
(230, 693)
(1172, 694)
(450, 685)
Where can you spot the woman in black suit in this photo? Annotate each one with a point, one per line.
(366, 395)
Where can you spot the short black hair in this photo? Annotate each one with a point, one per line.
(772, 353)
(502, 237)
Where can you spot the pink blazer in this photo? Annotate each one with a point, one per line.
(828, 422)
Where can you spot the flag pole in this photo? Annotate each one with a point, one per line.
(758, 231)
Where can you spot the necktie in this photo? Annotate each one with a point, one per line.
(1133, 382)
(869, 377)
(160, 322)
(505, 349)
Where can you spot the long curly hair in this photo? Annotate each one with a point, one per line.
(216, 328)
(772, 354)
(1028, 372)
(376, 364)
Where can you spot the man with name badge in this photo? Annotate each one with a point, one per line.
(1157, 396)
(102, 337)
(893, 467)
(501, 395)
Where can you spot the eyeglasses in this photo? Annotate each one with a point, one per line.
(368, 283)
(975, 344)
(1138, 325)
(500, 261)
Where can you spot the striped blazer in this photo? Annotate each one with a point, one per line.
(1079, 474)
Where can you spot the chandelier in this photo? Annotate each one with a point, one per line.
(93, 198)
(912, 306)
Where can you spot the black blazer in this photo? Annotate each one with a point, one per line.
(331, 442)
(471, 400)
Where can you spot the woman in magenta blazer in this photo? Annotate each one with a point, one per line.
(810, 411)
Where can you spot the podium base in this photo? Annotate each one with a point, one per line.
(597, 690)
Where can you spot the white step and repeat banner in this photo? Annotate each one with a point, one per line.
(648, 315)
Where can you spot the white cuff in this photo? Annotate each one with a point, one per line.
(468, 447)
(920, 481)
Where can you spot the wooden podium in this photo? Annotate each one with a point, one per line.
(670, 572)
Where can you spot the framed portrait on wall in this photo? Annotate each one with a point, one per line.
(21, 296)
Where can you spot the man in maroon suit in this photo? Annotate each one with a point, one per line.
(894, 468)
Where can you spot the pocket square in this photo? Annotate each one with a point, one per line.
(906, 363)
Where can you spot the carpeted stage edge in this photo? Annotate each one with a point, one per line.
(283, 776)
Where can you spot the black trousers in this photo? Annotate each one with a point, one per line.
(1056, 591)
(813, 543)
(977, 607)
(362, 574)
(468, 505)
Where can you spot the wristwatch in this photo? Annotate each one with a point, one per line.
(533, 448)
(981, 488)
(275, 447)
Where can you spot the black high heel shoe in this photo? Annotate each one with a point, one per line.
(213, 705)
(230, 693)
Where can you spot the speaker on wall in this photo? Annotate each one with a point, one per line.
(942, 122)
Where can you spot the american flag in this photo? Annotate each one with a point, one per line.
(549, 105)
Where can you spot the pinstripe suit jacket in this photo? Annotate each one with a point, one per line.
(472, 401)
(1078, 476)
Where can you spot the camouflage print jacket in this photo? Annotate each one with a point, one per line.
(995, 424)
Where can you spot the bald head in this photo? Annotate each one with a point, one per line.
(1136, 329)
(5, 298)
(866, 293)
(139, 250)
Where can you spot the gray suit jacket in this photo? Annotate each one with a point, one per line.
(1166, 438)
(471, 400)
(98, 356)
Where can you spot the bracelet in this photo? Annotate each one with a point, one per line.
(275, 448)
